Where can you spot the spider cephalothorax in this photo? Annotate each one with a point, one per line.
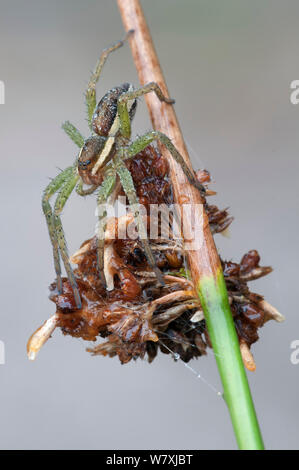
(101, 165)
(87, 159)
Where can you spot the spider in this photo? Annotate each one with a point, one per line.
(101, 166)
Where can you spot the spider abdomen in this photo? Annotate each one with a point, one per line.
(106, 109)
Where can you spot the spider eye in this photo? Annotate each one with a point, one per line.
(84, 164)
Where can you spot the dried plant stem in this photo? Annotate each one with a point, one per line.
(204, 263)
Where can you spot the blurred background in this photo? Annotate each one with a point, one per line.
(229, 66)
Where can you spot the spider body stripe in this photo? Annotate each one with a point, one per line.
(112, 96)
(108, 147)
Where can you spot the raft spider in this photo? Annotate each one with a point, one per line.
(101, 164)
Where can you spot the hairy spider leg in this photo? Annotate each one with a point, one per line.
(128, 186)
(73, 133)
(62, 197)
(90, 94)
(105, 191)
(50, 190)
(108, 146)
(140, 143)
(122, 109)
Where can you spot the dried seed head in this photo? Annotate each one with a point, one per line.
(136, 315)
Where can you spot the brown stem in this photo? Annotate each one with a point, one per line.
(205, 260)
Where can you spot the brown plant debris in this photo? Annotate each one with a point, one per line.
(135, 314)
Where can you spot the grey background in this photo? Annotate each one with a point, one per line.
(229, 65)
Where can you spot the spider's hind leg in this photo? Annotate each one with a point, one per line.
(122, 108)
(128, 186)
(143, 141)
(105, 190)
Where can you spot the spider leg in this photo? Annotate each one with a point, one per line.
(62, 197)
(73, 133)
(142, 142)
(105, 190)
(122, 109)
(90, 94)
(85, 192)
(50, 190)
(128, 186)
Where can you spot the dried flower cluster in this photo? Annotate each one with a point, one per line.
(136, 315)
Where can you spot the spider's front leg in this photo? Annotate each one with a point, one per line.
(142, 142)
(62, 197)
(50, 190)
(73, 133)
(128, 186)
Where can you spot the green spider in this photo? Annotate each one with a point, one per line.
(101, 164)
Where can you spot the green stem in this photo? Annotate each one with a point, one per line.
(222, 332)
(211, 288)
